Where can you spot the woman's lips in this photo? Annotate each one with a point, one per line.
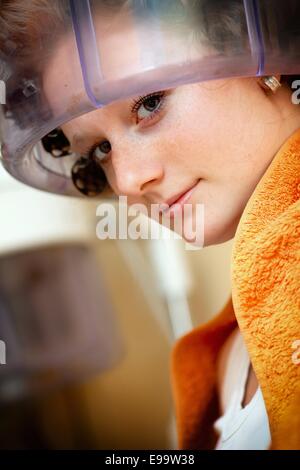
(177, 204)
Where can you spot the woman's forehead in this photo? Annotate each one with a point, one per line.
(63, 78)
(124, 48)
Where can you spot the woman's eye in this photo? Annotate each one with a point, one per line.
(102, 150)
(147, 106)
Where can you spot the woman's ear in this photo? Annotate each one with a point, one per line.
(270, 82)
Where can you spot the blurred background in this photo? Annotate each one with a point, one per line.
(87, 325)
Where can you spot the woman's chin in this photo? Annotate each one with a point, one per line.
(218, 233)
(201, 229)
(212, 232)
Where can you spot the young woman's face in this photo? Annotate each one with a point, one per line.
(208, 137)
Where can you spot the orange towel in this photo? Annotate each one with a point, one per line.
(265, 303)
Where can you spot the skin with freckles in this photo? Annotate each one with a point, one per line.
(218, 136)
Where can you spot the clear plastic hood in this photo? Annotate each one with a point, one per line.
(62, 59)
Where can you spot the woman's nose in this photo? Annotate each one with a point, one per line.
(137, 175)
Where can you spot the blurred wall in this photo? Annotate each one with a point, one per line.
(129, 406)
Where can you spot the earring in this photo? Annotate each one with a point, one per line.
(270, 82)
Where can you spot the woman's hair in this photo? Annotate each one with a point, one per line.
(27, 28)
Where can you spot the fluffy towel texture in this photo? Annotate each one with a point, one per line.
(265, 303)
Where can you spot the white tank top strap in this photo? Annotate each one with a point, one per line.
(241, 427)
(236, 372)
